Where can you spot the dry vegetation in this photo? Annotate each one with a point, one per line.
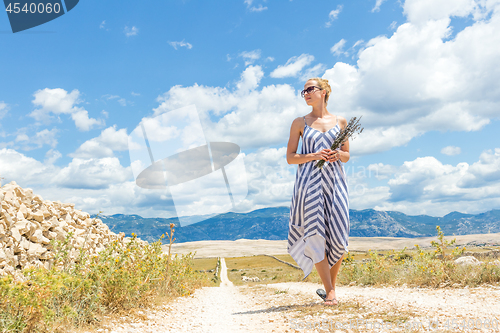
(121, 278)
(126, 277)
(425, 268)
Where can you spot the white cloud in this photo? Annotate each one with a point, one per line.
(258, 8)
(39, 139)
(338, 48)
(393, 25)
(83, 122)
(381, 171)
(182, 43)
(313, 72)
(358, 43)
(451, 150)
(24, 170)
(484, 173)
(423, 79)
(249, 117)
(131, 31)
(427, 186)
(293, 66)
(22, 138)
(422, 186)
(378, 3)
(3, 109)
(416, 80)
(92, 185)
(108, 141)
(109, 96)
(425, 10)
(250, 56)
(46, 137)
(250, 78)
(120, 100)
(270, 179)
(58, 101)
(102, 25)
(427, 179)
(92, 173)
(51, 156)
(333, 16)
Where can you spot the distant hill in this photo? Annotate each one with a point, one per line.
(272, 224)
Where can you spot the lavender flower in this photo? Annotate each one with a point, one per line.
(352, 128)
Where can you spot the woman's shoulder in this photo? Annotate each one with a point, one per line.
(342, 121)
(299, 121)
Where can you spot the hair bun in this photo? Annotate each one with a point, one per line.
(323, 84)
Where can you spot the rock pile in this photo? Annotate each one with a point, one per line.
(28, 224)
(250, 279)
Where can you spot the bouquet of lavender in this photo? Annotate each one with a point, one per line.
(352, 127)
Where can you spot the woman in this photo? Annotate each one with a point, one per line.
(319, 215)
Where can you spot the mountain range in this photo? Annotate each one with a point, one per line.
(272, 224)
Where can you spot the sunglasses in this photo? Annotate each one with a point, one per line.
(309, 90)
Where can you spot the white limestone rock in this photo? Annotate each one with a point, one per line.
(38, 216)
(36, 250)
(38, 237)
(22, 225)
(15, 234)
(467, 260)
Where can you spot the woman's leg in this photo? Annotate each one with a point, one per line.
(334, 271)
(324, 273)
(329, 276)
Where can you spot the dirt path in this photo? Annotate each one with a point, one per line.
(210, 309)
(294, 307)
(224, 280)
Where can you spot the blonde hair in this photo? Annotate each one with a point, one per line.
(323, 84)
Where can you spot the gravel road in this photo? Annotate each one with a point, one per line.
(292, 306)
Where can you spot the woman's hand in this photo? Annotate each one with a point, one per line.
(334, 155)
(324, 154)
(328, 155)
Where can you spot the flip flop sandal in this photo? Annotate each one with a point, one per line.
(321, 293)
(331, 300)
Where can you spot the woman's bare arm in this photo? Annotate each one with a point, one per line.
(343, 152)
(293, 142)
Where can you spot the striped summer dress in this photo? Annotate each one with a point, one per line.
(319, 213)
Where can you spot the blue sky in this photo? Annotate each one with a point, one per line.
(423, 73)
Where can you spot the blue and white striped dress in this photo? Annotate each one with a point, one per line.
(319, 214)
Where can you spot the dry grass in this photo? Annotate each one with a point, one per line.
(434, 267)
(286, 257)
(267, 269)
(204, 264)
(121, 278)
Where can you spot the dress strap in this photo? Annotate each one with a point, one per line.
(305, 120)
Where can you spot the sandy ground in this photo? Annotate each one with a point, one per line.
(247, 247)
